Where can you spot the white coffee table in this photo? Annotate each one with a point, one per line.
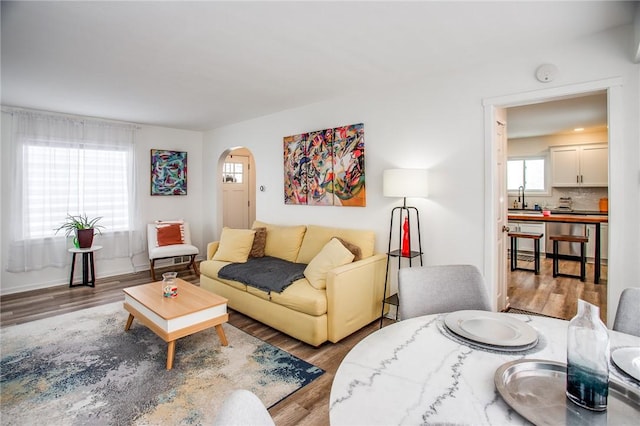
(193, 310)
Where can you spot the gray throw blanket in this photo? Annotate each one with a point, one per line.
(266, 273)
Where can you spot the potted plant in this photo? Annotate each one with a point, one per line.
(83, 228)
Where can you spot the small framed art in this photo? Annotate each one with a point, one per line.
(168, 172)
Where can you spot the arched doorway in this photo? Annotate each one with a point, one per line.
(238, 189)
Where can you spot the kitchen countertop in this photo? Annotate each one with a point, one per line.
(559, 217)
(561, 211)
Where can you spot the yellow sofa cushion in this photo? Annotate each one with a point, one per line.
(316, 237)
(302, 297)
(210, 268)
(332, 255)
(282, 241)
(235, 245)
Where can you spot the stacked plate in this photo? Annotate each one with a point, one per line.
(627, 360)
(492, 330)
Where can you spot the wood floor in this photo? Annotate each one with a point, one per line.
(310, 405)
(557, 297)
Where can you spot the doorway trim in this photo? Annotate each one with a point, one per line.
(613, 87)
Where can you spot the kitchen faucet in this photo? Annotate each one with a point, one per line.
(524, 205)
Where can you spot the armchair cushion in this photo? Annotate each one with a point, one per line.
(169, 234)
(235, 245)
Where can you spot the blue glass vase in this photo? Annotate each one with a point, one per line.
(588, 359)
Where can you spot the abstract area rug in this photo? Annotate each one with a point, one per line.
(83, 368)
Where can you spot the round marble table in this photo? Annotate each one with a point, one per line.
(411, 373)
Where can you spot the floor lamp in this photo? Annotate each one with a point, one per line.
(403, 183)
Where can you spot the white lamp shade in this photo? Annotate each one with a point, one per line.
(405, 183)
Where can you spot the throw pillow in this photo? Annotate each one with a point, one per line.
(169, 234)
(282, 241)
(235, 245)
(332, 255)
(259, 242)
(357, 253)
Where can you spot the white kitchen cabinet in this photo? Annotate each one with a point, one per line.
(580, 165)
(526, 244)
(604, 241)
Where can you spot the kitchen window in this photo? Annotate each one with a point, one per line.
(527, 172)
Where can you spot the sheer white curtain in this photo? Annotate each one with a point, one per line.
(70, 165)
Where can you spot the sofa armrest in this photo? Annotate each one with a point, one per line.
(212, 248)
(354, 295)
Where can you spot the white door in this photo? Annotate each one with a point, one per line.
(500, 155)
(235, 192)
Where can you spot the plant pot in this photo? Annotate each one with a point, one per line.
(85, 237)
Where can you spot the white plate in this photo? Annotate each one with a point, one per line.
(628, 360)
(491, 328)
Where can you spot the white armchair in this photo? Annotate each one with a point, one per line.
(157, 251)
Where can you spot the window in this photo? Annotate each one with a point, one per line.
(61, 178)
(528, 173)
(69, 165)
(232, 173)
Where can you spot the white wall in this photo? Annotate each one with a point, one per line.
(188, 207)
(437, 123)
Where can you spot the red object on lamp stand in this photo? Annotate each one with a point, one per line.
(406, 250)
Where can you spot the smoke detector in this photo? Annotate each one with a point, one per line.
(546, 73)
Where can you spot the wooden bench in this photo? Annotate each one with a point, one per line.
(583, 240)
(536, 250)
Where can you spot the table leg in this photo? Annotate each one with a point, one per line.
(85, 268)
(536, 256)
(129, 322)
(73, 265)
(221, 335)
(171, 349)
(596, 277)
(92, 270)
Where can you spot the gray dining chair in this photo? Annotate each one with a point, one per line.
(428, 290)
(627, 318)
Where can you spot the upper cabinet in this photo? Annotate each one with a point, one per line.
(580, 165)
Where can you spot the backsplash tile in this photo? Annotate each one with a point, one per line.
(582, 198)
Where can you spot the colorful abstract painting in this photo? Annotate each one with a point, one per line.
(348, 165)
(319, 168)
(168, 172)
(325, 167)
(295, 176)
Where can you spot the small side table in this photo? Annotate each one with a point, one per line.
(87, 262)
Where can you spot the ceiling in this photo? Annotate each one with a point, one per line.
(588, 112)
(201, 65)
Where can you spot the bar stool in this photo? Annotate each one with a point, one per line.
(583, 258)
(536, 250)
